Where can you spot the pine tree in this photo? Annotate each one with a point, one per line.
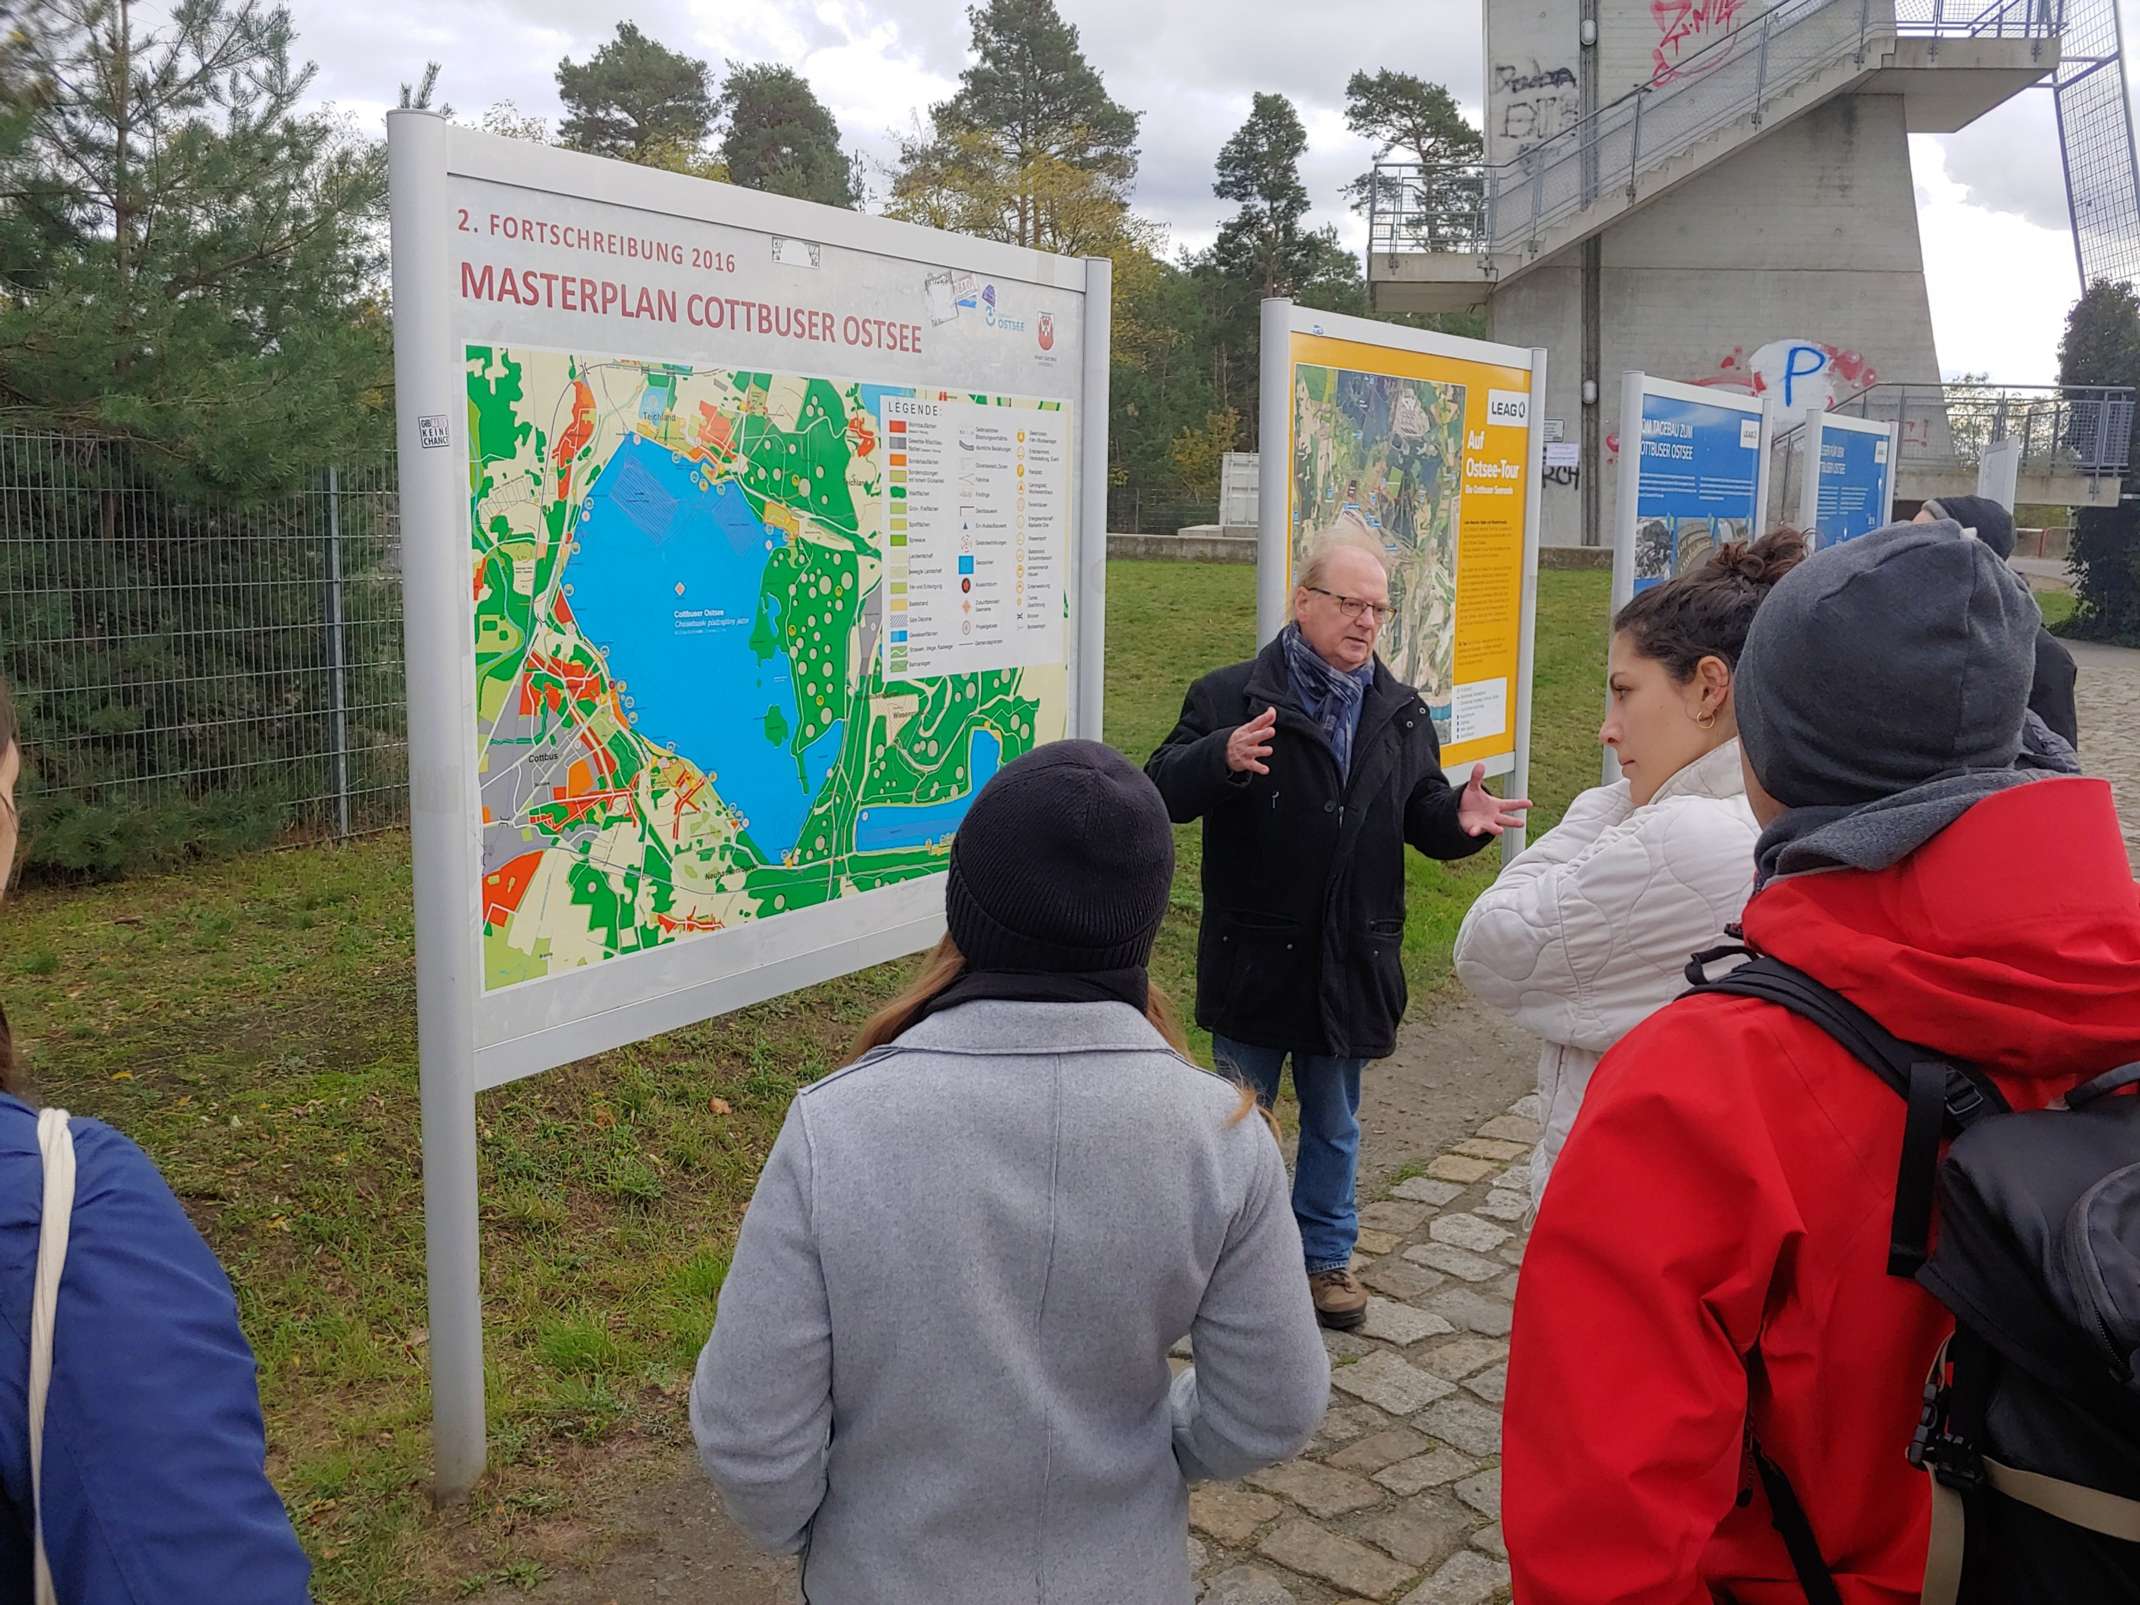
(197, 264)
(781, 139)
(1400, 112)
(1031, 150)
(638, 100)
(1259, 167)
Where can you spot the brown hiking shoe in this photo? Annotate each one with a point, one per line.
(1340, 1301)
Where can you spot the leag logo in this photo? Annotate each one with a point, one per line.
(1508, 408)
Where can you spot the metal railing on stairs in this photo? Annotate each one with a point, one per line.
(1483, 207)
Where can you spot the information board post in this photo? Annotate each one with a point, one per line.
(1092, 498)
(429, 418)
(1519, 778)
(1274, 411)
(1694, 465)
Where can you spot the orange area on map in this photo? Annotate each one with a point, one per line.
(581, 431)
(715, 432)
(504, 888)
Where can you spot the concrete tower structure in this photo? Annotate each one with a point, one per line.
(1716, 191)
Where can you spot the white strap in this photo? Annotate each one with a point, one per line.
(56, 1143)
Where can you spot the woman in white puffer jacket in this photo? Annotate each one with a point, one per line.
(1588, 932)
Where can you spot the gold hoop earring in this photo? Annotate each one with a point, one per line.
(1706, 720)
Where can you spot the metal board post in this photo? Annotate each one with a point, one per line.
(436, 585)
(1092, 491)
(1519, 778)
(1274, 462)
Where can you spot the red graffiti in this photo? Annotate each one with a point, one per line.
(1682, 24)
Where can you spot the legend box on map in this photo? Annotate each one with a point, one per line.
(977, 521)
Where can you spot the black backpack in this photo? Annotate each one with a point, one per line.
(2031, 1423)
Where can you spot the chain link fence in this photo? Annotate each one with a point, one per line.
(200, 674)
(197, 673)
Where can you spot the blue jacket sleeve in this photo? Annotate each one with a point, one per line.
(155, 1484)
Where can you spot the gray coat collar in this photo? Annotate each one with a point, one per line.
(992, 1025)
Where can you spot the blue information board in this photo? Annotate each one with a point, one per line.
(1856, 484)
(1697, 478)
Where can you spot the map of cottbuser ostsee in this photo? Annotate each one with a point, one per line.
(683, 717)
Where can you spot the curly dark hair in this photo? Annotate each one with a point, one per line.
(1706, 613)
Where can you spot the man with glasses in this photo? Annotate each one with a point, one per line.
(1312, 767)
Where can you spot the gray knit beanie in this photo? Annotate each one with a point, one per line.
(1883, 663)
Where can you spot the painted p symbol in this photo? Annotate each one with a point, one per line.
(1800, 362)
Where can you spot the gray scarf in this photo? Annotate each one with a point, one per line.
(1878, 835)
(1328, 695)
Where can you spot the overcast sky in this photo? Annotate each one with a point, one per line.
(1998, 253)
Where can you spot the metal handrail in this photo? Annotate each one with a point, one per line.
(1484, 207)
(2073, 429)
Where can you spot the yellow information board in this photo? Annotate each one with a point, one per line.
(1427, 447)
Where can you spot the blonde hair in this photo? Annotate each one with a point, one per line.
(945, 964)
(1345, 535)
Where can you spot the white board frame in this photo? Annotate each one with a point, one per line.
(1281, 320)
(469, 1040)
(1817, 425)
(1635, 388)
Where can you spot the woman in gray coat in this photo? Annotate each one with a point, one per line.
(939, 1366)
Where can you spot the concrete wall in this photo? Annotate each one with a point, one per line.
(1644, 40)
(1532, 92)
(1792, 268)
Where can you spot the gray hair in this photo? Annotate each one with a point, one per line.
(1344, 535)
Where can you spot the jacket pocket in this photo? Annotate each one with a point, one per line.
(1260, 970)
(1381, 957)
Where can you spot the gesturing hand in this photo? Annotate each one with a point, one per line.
(1250, 744)
(1481, 813)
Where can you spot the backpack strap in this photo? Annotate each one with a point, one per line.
(2103, 1086)
(55, 1144)
(1796, 1530)
(1941, 1097)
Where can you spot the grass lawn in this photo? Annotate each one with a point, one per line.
(2058, 608)
(252, 1025)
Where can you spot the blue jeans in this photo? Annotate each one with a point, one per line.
(1323, 1175)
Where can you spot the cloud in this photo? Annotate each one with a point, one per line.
(1991, 199)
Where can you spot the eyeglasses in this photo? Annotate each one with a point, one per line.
(1353, 606)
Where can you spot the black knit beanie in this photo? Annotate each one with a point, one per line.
(1062, 865)
(1979, 516)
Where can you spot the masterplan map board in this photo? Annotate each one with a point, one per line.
(697, 704)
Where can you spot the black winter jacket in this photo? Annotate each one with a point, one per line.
(2051, 696)
(1304, 875)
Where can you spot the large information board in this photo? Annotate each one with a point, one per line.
(1424, 442)
(1853, 492)
(744, 540)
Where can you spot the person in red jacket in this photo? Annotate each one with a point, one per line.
(1709, 1267)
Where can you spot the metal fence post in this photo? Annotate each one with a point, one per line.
(1634, 144)
(1761, 73)
(337, 691)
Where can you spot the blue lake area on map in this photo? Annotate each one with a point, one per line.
(887, 826)
(685, 657)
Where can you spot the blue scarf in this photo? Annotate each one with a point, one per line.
(1328, 695)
